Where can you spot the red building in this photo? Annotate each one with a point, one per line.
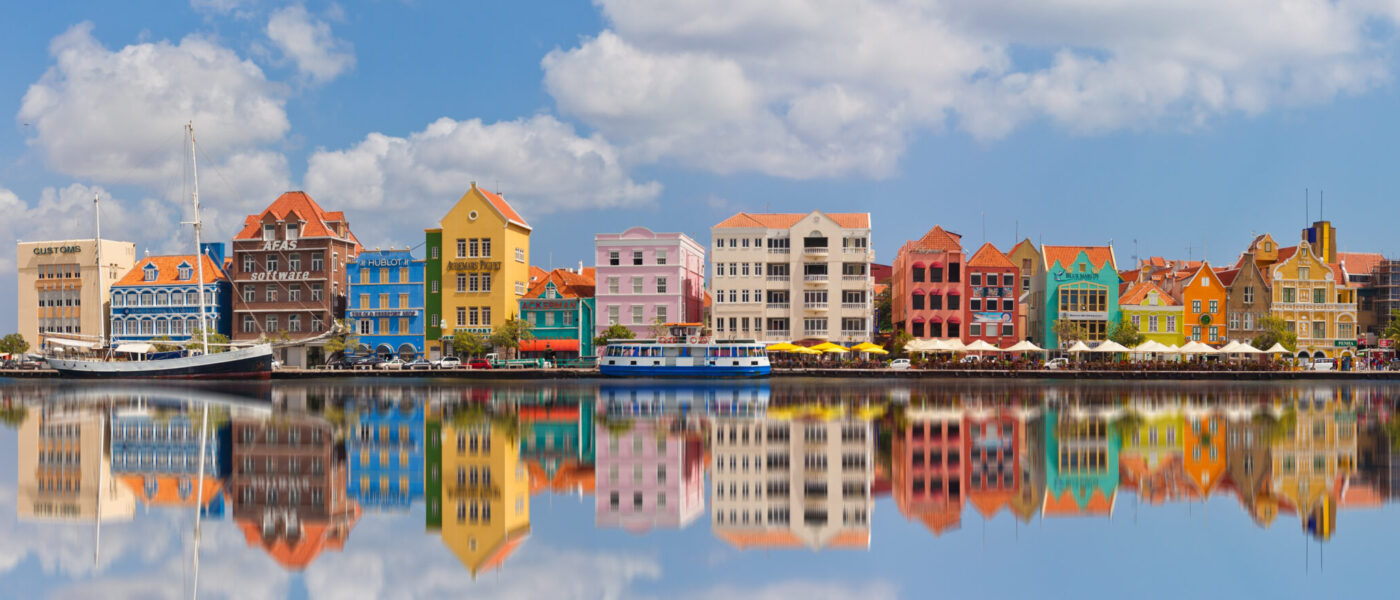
(992, 457)
(288, 488)
(288, 273)
(927, 460)
(992, 281)
(927, 286)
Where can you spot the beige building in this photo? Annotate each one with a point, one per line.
(779, 483)
(64, 472)
(780, 277)
(61, 290)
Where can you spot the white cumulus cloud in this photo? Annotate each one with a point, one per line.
(310, 44)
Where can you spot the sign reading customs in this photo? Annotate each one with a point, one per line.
(58, 250)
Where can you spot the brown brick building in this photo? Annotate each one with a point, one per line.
(288, 272)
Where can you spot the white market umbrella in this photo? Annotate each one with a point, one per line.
(1195, 347)
(1152, 346)
(1078, 347)
(953, 345)
(1025, 346)
(1110, 346)
(982, 346)
(1278, 348)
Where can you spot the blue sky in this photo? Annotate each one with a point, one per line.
(1187, 127)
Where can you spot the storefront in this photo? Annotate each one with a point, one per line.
(62, 293)
(385, 304)
(1080, 287)
(560, 311)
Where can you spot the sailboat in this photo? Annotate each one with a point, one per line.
(237, 363)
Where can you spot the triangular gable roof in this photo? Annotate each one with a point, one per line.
(1067, 505)
(787, 220)
(502, 207)
(1138, 292)
(745, 539)
(169, 270)
(1023, 242)
(298, 204)
(1200, 268)
(502, 551)
(939, 240)
(537, 274)
(1359, 263)
(1227, 276)
(1099, 256)
(989, 256)
(568, 283)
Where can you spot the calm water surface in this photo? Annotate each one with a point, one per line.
(777, 489)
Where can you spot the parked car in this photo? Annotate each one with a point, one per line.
(342, 362)
(27, 363)
(900, 364)
(1322, 364)
(419, 364)
(1057, 364)
(971, 358)
(450, 362)
(479, 363)
(369, 362)
(393, 363)
(276, 364)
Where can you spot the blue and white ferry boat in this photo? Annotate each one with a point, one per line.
(684, 353)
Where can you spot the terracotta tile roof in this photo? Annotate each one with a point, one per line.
(502, 207)
(1157, 261)
(1130, 276)
(708, 298)
(168, 271)
(787, 220)
(591, 273)
(1065, 255)
(1286, 253)
(989, 256)
(1137, 293)
(1227, 276)
(1360, 263)
(988, 504)
(1066, 505)
(297, 203)
(298, 554)
(568, 283)
(537, 274)
(167, 489)
(1023, 242)
(939, 240)
(785, 538)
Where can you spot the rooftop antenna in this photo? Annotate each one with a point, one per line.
(984, 227)
(1307, 207)
(1135, 251)
(1321, 197)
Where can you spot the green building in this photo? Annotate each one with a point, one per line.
(560, 310)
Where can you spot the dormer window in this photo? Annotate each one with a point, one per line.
(150, 273)
(550, 292)
(269, 232)
(293, 230)
(186, 273)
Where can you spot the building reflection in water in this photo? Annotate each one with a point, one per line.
(790, 465)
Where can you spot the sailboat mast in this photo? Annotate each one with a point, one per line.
(199, 503)
(97, 241)
(198, 246)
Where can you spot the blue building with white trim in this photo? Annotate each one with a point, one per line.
(384, 452)
(159, 298)
(158, 456)
(385, 305)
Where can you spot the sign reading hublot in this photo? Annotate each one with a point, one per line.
(58, 250)
(474, 265)
(384, 262)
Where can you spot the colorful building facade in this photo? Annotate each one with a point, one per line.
(158, 459)
(1203, 297)
(928, 469)
(992, 288)
(486, 495)
(1081, 464)
(159, 298)
(61, 291)
(1154, 312)
(386, 307)
(385, 455)
(927, 286)
(478, 267)
(560, 308)
(1309, 295)
(1027, 257)
(1248, 299)
(649, 477)
(644, 278)
(1080, 286)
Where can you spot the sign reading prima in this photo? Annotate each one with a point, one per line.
(280, 276)
(57, 250)
(474, 265)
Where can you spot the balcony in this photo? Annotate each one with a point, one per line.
(860, 334)
(814, 305)
(864, 279)
(779, 278)
(855, 305)
(780, 250)
(816, 251)
(777, 334)
(779, 306)
(816, 278)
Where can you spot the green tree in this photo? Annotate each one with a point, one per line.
(901, 339)
(510, 333)
(884, 320)
(218, 342)
(613, 332)
(469, 344)
(162, 344)
(1126, 334)
(1069, 332)
(13, 343)
(343, 338)
(658, 328)
(13, 416)
(1392, 330)
(1276, 331)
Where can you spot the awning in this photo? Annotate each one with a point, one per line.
(548, 345)
(72, 343)
(135, 348)
(918, 265)
(954, 292)
(955, 319)
(918, 319)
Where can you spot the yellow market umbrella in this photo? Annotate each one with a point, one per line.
(783, 347)
(830, 347)
(804, 350)
(876, 350)
(869, 348)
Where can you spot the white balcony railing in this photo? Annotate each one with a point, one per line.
(860, 278)
(814, 305)
(779, 278)
(816, 250)
(777, 334)
(780, 250)
(856, 305)
(855, 333)
(822, 278)
(779, 305)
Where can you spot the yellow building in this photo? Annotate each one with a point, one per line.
(1314, 458)
(485, 495)
(1154, 312)
(478, 266)
(1312, 297)
(61, 291)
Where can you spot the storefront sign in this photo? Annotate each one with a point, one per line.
(481, 330)
(1386, 342)
(58, 250)
(384, 262)
(988, 317)
(371, 314)
(280, 245)
(280, 276)
(1344, 344)
(1080, 315)
(474, 265)
(552, 304)
(1064, 276)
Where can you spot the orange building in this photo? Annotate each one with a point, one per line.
(1204, 451)
(1203, 297)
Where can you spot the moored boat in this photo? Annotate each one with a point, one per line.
(241, 363)
(684, 353)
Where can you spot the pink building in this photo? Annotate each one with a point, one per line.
(927, 286)
(645, 277)
(644, 480)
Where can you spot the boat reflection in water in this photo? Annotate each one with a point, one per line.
(295, 469)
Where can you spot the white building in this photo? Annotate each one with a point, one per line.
(779, 277)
